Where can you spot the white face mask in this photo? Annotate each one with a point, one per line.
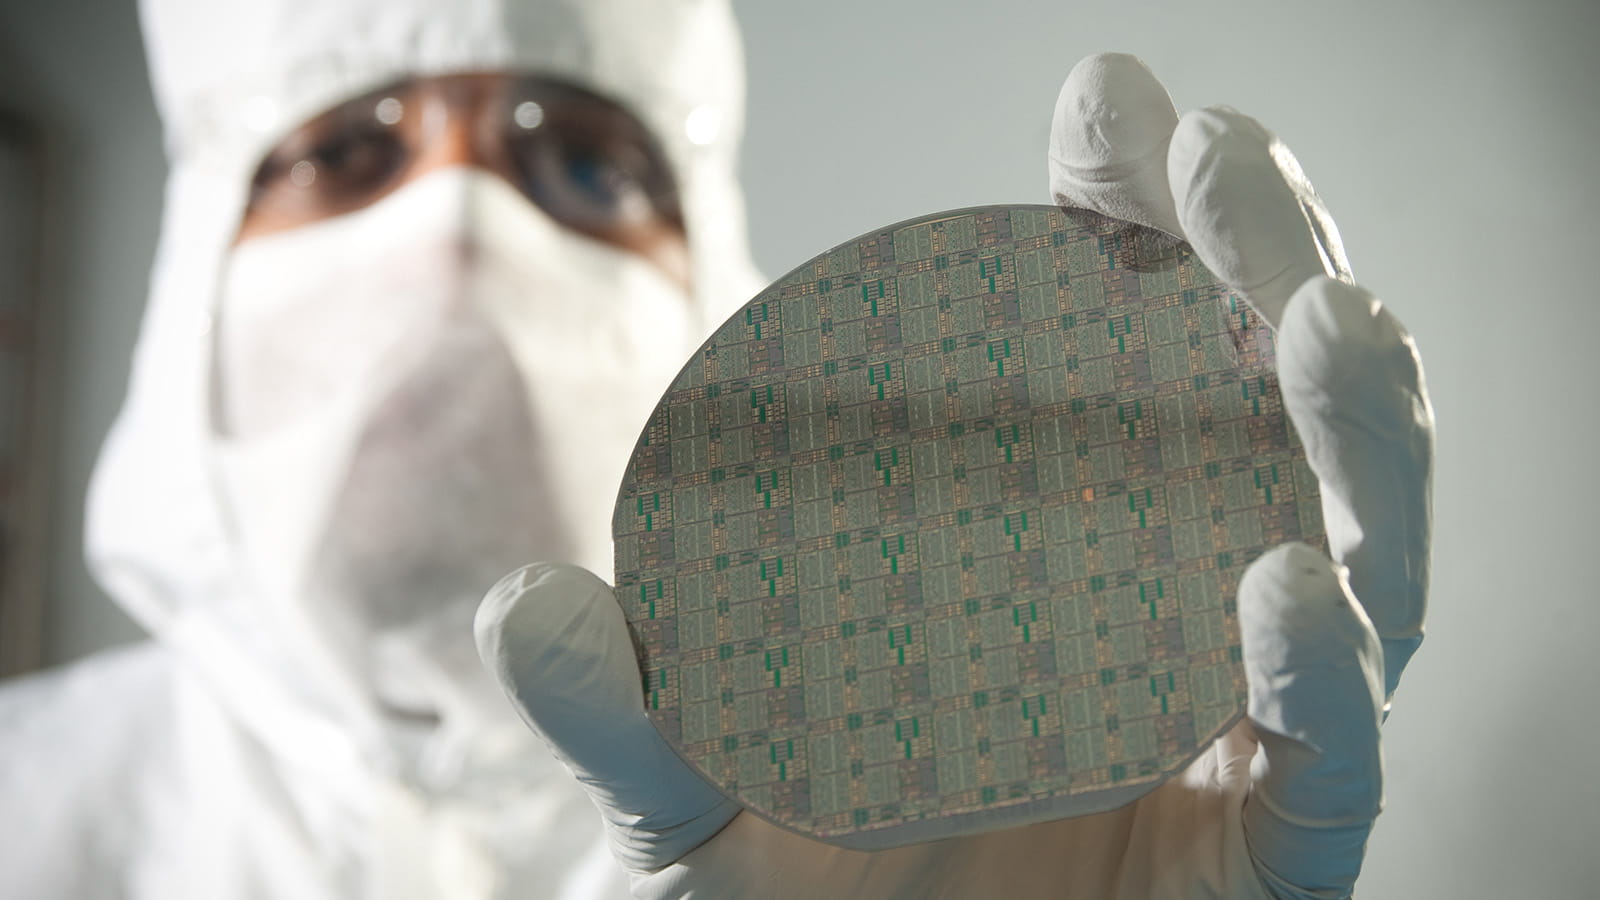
(416, 398)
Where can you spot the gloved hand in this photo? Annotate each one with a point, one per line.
(1279, 807)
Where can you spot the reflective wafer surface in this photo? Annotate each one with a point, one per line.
(942, 531)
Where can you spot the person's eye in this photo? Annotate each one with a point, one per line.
(605, 186)
(329, 172)
(354, 163)
(602, 184)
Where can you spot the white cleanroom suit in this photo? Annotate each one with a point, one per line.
(336, 438)
(308, 726)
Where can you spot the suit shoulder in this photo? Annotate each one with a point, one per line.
(89, 697)
(79, 746)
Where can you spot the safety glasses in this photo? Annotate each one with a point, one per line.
(583, 159)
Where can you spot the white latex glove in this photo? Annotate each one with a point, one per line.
(1281, 806)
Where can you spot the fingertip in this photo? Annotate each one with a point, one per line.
(1108, 141)
(1111, 109)
(1202, 135)
(1337, 335)
(488, 624)
(1314, 667)
(1295, 610)
(554, 636)
(1248, 208)
(530, 606)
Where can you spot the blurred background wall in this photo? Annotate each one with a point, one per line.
(1454, 141)
(73, 71)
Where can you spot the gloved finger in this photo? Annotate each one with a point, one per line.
(555, 638)
(1248, 209)
(1108, 142)
(1315, 674)
(1352, 383)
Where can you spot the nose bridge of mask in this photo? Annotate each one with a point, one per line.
(575, 296)
(597, 334)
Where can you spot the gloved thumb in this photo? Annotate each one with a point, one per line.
(556, 639)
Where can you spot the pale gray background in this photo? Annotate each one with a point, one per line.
(1453, 141)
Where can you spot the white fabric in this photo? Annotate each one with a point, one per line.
(1282, 805)
(404, 386)
(314, 742)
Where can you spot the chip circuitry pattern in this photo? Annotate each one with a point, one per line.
(943, 530)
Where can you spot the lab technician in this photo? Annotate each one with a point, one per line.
(423, 270)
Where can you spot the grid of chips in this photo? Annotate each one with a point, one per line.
(942, 531)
